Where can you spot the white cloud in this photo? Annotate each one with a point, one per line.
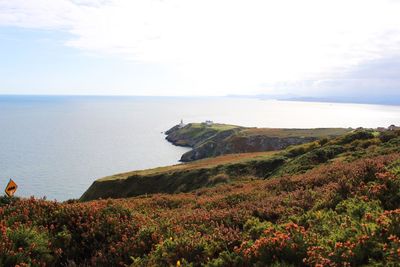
(225, 46)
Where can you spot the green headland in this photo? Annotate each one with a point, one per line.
(214, 139)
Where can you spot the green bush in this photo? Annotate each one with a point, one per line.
(254, 228)
(386, 136)
(31, 246)
(311, 159)
(356, 135)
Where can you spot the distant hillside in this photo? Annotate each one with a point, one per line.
(375, 100)
(352, 99)
(220, 139)
(236, 167)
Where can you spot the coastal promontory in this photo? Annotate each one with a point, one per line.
(214, 139)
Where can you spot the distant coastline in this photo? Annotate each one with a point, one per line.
(387, 102)
(381, 100)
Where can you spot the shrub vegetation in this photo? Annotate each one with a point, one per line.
(340, 212)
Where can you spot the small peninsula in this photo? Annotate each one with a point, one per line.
(210, 139)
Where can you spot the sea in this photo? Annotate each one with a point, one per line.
(56, 146)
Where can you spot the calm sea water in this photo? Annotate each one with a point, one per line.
(57, 146)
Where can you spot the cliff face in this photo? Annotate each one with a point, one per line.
(237, 144)
(219, 139)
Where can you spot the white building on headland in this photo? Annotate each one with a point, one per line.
(181, 125)
(208, 122)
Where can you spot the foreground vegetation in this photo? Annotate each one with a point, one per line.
(341, 211)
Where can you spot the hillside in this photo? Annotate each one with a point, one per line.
(332, 203)
(220, 139)
(235, 167)
(182, 177)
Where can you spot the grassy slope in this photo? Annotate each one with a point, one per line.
(219, 127)
(194, 130)
(183, 177)
(199, 164)
(345, 212)
(209, 172)
(283, 133)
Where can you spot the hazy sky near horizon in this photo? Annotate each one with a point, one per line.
(207, 47)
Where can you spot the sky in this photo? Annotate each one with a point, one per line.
(207, 47)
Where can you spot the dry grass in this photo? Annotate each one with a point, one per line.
(199, 164)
